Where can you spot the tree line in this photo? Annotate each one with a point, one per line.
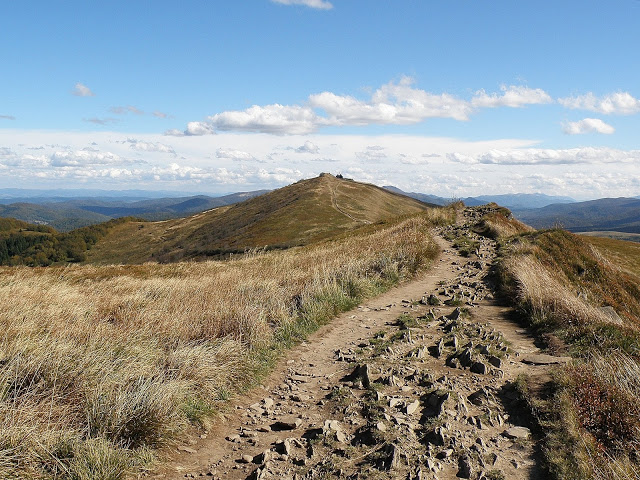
(22, 243)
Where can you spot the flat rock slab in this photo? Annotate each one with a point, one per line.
(517, 432)
(287, 423)
(543, 359)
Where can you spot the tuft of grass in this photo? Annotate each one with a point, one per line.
(499, 223)
(465, 245)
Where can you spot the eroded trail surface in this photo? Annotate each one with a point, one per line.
(416, 383)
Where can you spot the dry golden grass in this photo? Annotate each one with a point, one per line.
(560, 282)
(501, 224)
(305, 212)
(101, 364)
(624, 254)
(549, 297)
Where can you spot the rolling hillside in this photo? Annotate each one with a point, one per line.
(62, 219)
(65, 214)
(307, 211)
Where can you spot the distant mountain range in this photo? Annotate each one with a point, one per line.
(66, 213)
(514, 201)
(614, 214)
(66, 210)
(547, 211)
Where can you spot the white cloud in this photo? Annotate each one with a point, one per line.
(619, 103)
(513, 96)
(308, 147)
(81, 90)
(412, 160)
(236, 155)
(319, 4)
(158, 114)
(276, 119)
(535, 156)
(588, 125)
(174, 132)
(393, 103)
(85, 158)
(398, 103)
(7, 117)
(373, 153)
(198, 128)
(142, 146)
(496, 166)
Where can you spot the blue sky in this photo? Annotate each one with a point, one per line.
(454, 98)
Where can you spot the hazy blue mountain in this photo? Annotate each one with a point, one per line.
(39, 196)
(519, 201)
(66, 213)
(423, 197)
(162, 208)
(615, 214)
(513, 201)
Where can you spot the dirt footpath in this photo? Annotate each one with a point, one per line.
(417, 383)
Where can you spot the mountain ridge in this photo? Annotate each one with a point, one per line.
(307, 211)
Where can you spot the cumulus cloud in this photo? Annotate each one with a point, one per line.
(619, 103)
(535, 156)
(513, 96)
(236, 155)
(588, 125)
(319, 4)
(198, 128)
(85, 158)
(411, 160)
(373, 153)
(128, 109)
(308, 147)
(81, 90)
(5, 152)
(7, 117)
(142, 146)
(396, 103)
(276, 119)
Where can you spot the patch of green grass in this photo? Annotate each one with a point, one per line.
(465, 245)
(495, 475)
(197, 409)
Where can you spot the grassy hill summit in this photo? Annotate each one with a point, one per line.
(304, 212)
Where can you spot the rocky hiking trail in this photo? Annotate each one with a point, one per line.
(415, 384)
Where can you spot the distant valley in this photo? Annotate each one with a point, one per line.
(605, 215)
(65, 213)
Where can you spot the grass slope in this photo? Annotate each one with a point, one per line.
(101, 365)
(566, 286)
(299, 214)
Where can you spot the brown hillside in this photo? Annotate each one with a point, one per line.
(301, 213)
